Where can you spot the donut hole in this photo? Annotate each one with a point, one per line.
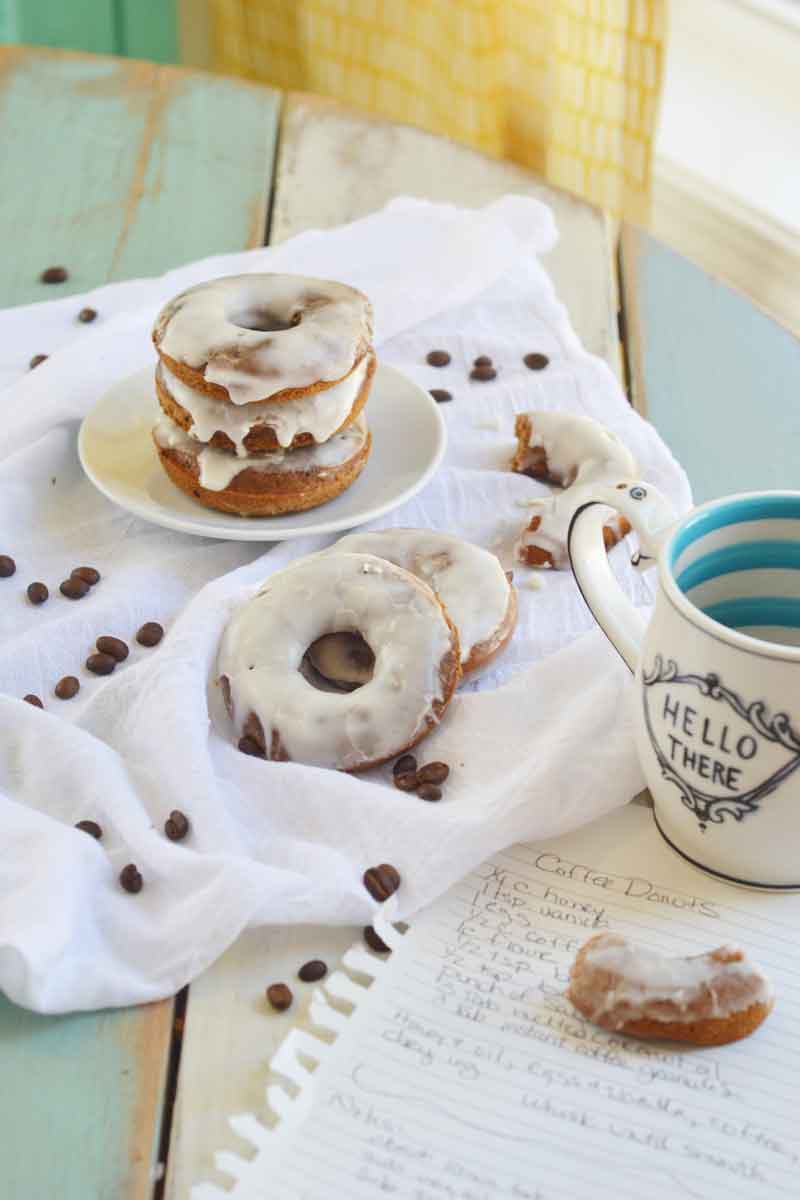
(262, 320)
(338, 662)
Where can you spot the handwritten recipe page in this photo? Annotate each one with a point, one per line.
(465, 1074)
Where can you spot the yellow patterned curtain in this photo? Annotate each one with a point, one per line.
(567, 87)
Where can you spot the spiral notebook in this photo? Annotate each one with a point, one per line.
(463, 1073)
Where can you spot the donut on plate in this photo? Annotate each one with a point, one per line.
(569, 451)
(469, 581)
(278, 714)
(261, 485)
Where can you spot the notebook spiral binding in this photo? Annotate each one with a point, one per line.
(288, 1061)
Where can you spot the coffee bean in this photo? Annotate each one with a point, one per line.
(150, 634)
(130, 878)
(88, 574)
(54, 275)
(482, 360)
(483, 374)
(382, 881)
(113, 646)
(87, 315)
(7, 566)
(375, 942)
(73, 588)
(90, 827)
(67, 687)
(440, 395)
(34, 700)
(430, 792)
(406, 763)
(406, 781)
(100, 664)
(536, 362)
(249, 745)
(279, 996)
(176, 825)
(510, 576)
(37, 593)
(438, 358)
(37, 358)
(433, 772)
(312, 971)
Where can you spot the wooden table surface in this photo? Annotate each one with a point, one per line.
(120, 169)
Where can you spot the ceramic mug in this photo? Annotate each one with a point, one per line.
(717, 671)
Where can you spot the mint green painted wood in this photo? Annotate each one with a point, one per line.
(70, 24)
(148, 29)
(125, 168)
(721, 379)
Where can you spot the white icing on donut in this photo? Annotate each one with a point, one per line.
(218, 468)
(468, 580)
(241, 330)
(398, 616)
(580, 453)
(618, 981)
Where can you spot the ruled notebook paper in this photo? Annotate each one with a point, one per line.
(463, 1073)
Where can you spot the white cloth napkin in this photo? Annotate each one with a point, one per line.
(540, 745)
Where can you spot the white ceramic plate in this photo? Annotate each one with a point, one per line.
(117, 453)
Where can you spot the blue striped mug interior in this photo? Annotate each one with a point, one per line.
(739, 563)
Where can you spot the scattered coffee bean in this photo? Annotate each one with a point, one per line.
(406, 781)
(249, 745)
(510, 576)
(130, 877)
(375, 942)
(87, 315)
(176, 825)
(382, 881)
(312, 971)
(482, 360)
(406, 762)
(89, 575)
(90, 827)
(279, 996)
(34, 700)
(54, 275)
(438, 358)
(37, 592)
(73, 588)
(67, 687)
(100, 664)
(113, 646)
(36, 360)
(429, 792)
(441, 395)
(433, 772)
(150, 634)
(536, 362)
(483, 374)
(7, 566)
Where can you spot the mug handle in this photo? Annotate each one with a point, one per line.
(652, 516)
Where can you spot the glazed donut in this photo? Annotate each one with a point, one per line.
(247, 338)
(469, 581)
(265, 425)
(569, 451)
(279, 715)
(707, 999)
(283, 481)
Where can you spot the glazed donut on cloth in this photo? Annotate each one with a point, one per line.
(706, 999)
(279, 715)
(265, 424)
(469, 581)
(283, 481)
(247, 338)
(569, 451)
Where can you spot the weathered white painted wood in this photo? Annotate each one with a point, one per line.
(335, 165)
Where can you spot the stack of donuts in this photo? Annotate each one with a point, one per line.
(262, 380)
